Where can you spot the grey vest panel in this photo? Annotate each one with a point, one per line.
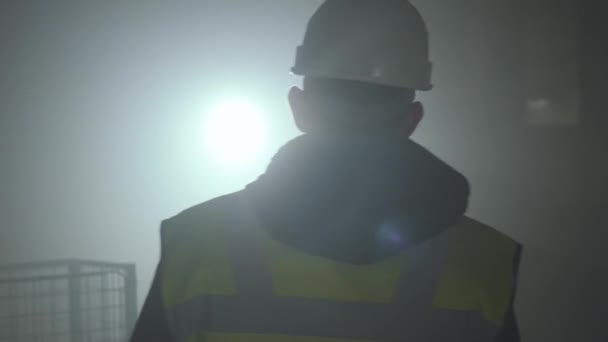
(418, 321)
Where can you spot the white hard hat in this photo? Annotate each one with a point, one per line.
(376, 41)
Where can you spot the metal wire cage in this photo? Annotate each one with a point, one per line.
(67, 301)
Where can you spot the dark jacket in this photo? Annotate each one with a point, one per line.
(329, 196)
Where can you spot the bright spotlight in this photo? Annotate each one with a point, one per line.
(235, 131)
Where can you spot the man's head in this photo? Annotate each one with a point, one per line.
(339, 106)
(362, 62)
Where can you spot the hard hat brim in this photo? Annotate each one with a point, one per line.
(380, 80)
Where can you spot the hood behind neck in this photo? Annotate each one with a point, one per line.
(357, 199)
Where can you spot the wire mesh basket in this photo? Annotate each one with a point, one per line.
(67, 301)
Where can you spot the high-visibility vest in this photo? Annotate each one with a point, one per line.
(224, 278)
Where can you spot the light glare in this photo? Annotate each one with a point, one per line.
(235, 131)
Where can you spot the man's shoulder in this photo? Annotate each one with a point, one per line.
(210, 207)
(482, 228)
(198, 218)
(472, 233)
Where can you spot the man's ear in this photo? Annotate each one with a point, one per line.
(412, 119)
(297, 103)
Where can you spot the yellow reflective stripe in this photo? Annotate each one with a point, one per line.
(263, 338)
(479, 274)
(197, 259)
(296, 273)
